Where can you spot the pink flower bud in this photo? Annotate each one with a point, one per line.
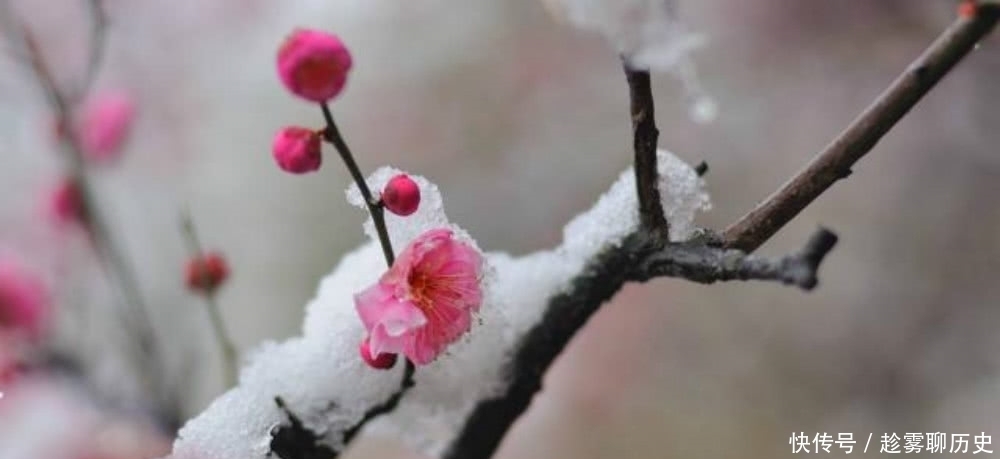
(401, 195)
(297, 150)
(65, 203)
(24, 301)
(380, 362)
(103, 125)
(313, 64)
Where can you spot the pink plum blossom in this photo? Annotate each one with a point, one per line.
(425, 301)
(24, 301)
(297, 150)
(103, 125)
(313, 64)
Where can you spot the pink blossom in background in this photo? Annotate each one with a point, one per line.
(10, 365)
(425, 301)
(24, 301)
(297, 150)
(206, 272)
(65, 203)
(313, 64)
(103, 125)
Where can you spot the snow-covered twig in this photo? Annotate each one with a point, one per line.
(641, 257)
(835, 161)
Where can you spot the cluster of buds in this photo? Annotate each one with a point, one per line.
(312, 65)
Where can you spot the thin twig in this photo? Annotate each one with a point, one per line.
(644, 136)
(835, 161)
(332, 134)
(96, 48)
(225, 342)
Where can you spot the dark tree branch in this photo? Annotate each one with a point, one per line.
(643, 256)
(644, 135)
(296, 441)
(640, 257)
(706, 264)
(835, 161)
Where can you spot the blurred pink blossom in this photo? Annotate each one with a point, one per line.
(425, 301)
(65, 203)
(103, 125)
(24, 301)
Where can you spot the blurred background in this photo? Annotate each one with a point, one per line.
(523, 123)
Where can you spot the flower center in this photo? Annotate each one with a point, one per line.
(421, 286)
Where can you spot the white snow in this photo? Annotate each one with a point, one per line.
(645, 31)
(650, 36)
(324, 381)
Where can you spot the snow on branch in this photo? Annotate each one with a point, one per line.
(462, 404)
(567, 312)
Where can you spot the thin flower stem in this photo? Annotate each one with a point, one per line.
(230, 356)
(332, 134)
(98, 33)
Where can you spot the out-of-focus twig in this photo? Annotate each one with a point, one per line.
(225, 342)
(835, 161)
(96, 48)
(134, 313)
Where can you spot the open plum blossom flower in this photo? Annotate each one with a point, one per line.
(425, 301)
(24, 301)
